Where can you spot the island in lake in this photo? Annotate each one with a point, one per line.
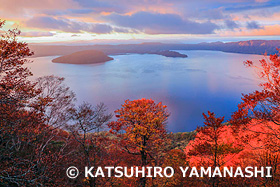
(83, 57)
(168, 53)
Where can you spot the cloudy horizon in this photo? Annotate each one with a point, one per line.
(97, 21)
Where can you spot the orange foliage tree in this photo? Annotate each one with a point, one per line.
(141, 129)
(174, 158)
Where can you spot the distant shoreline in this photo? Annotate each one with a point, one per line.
(259, 47)
(167, 53)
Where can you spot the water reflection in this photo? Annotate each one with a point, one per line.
(207, 80)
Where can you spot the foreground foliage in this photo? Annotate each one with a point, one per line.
(43, 132)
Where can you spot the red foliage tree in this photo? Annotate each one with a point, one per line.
(27, 141)
(17, 113)
(258, 117)
(213, 146)
(262, 105)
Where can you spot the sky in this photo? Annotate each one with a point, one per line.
(129, 21)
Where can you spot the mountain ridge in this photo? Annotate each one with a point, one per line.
(245, 47)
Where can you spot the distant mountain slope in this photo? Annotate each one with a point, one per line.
(83, 57)
(245, 47)
(252, 46)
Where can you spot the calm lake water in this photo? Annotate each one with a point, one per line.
(207, 80)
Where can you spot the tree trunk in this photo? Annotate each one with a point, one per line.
(144, 162)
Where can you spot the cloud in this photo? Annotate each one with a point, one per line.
(269, 30)
(261, 1)
(211, 14)
(98, 6)
(135, 16)
(48, 23)
(30, 6)
(251, 6)
(96, 3)
(253, 25)
(231, 24)
(155, 23)
(125, 30)
(72, 12)
(99, 28)
(36, 34)
(44, 22)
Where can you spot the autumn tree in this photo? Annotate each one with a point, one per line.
(174, 158)
(140, 125)
(29, 146)
(17, 112)
(213, 146)
(263, 104)
(258, 114)
(59, 100)
(86, 123)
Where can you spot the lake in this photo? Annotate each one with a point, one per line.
(206, 80)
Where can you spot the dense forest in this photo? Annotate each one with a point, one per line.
(43, 132)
